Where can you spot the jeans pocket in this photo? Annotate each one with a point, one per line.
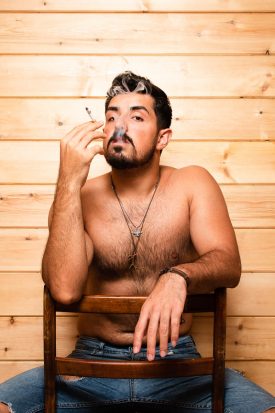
(185, 348)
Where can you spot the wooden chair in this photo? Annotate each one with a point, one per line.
(214, 302)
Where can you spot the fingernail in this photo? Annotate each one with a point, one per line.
(150, 357)
(135, 349)
(174, 343)
(163, 353)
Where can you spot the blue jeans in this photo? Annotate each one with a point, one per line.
(24, 393)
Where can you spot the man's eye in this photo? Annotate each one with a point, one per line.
(138, 118)
(110, 119)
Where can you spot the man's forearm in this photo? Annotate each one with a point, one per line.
(214, 269)
(64, 264)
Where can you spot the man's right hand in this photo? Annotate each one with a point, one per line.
(75, 156)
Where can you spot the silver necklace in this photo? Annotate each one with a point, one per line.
(137, 231)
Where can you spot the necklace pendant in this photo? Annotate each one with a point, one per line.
(137, 233)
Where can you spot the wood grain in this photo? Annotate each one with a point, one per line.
(193, 119)
(261, 372)
(253, 296)
(21, 294)
(83, 76)
(22, 337)
(229, 162)
(25, 205)
(142, 6)
(142, 33)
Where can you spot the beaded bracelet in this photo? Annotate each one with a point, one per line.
(176, 271)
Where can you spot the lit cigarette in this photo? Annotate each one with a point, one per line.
(90, 114)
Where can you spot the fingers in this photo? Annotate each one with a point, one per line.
(81, 137)
(95, 150)
(175, 327)
(164, 329)
(161, 315)
(75, 153)
(159, 323)
(81, 131)
(152, 335)
(140, 330)
(90, 137)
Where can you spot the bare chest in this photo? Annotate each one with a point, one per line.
(164, 240)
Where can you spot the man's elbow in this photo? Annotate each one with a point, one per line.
(235, 274)
(65, 297)
(60, 294)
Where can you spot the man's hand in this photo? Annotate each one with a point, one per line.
(161, 314)
(75, 156)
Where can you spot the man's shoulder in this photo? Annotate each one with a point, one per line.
(193, 181)
(192, 173)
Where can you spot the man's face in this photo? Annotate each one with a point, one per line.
(131, 129)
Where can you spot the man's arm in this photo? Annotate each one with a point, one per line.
(218, 264)
(69, 249)
(213, 237)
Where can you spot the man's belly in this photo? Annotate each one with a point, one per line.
(118, 329)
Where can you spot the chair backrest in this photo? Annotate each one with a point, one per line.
(215, 365)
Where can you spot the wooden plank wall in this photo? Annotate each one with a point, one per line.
(216, 61)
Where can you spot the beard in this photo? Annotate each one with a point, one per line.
(118, 160)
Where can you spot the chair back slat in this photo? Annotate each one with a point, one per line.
(219, 344)
(134, 369)
(132, 305)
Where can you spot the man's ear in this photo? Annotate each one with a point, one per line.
(164, 137)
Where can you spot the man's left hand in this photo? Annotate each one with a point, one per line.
(161, 315)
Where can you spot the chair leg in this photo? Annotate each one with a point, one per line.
(49, 352)
(219, 350)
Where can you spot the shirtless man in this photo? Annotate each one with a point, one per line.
(142, 229)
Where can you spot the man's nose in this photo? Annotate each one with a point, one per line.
(121, 123)
(119, 132)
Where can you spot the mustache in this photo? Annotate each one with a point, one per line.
(118, 135)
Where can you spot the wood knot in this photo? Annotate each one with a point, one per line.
(6, 349)
(12, 321)
(59, 123)
(240, 327)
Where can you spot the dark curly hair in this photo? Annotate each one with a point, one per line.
(127, 82)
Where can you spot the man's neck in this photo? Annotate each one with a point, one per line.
(136, 182)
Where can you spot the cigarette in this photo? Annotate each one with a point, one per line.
(90, 114)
